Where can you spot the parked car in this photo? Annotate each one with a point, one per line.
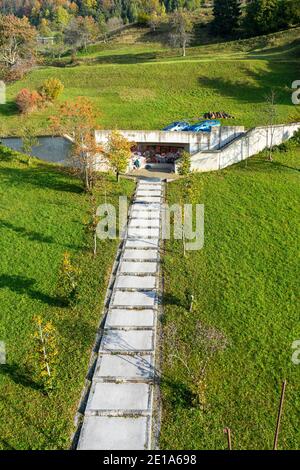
(203, 126)
(177, 126)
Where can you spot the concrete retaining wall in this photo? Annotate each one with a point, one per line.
(192, 141)
(247, 145)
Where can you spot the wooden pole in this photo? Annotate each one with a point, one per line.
(279, 415)
(228, 432)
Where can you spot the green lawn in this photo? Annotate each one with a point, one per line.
(142, 86)
(244, 280)
(43, 214)
(245, 284)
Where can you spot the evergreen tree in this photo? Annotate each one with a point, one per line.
(263, 16)
(226, 16)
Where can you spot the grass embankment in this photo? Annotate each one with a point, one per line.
(148, 96)
(245, 283)
(146, 86)
(44, 214)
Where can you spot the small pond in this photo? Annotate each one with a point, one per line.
(50, 149)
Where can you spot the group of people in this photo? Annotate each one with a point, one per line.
(140, 160)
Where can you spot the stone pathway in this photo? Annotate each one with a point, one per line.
(120, 404)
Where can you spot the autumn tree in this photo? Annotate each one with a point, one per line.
(118, 152)
(80, 32)
(77, 120)
(68, 278)
(184, 166)
(51, 89)
(181, 27)
(17, 38)
(45, 351)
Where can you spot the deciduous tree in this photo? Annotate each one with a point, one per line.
(77, 119)
(17, 40)
(46, 351)
(51, 89)
(29, 140)
(118, 152)
(181, 30)
(80, 31)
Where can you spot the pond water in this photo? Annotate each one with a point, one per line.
(50, 149)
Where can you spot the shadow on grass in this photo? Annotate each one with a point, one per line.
(29, 234)
(262, 164)
(262, 48)
(123, 58)
(6, 445)
(170, 299)
(21, 375)
(23, 285)
(9, 109)
(42, 177)
(179, 394)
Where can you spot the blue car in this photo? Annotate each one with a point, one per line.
(203, 126)
(177, 126)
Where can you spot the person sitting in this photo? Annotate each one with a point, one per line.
(136, 164)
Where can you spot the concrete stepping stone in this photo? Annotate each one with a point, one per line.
(129, 367)
(135, 282)
(138, 267)
(143, 232)
(130, 341)
(134, 299)
(150, 183)
(139, 222)
(144, 214)
(142, 243)
(149, 187)
(146, 192)
(114, 433)
(134, 397)
(126, 318)
(140, 254)
(148, 199)
(141, 206)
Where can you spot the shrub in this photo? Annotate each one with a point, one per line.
(51, 89)
(143, 19)
(68, 279)
(27, 100)
(184, 166)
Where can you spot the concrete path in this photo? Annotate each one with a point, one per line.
(120, 404)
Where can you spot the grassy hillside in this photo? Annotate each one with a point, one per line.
(245, 284)
(149, 95)
(44, 214)
(140, 85)
(276, 44)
